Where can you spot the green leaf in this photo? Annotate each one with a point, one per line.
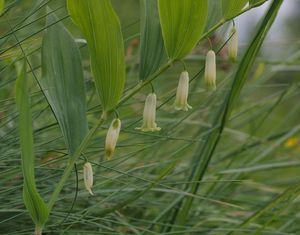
(256, 3)
(32, 200)
(252, 2)
(152, 51)
(232, 7)
(62, 82)
(2, 4)
(101, 28)
(214, 12)
(182, 25)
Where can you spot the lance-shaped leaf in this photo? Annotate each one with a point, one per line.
(152, 51)
(232, 7)
(62, 82)
(101, 28)
(182, 25)
(32, 200)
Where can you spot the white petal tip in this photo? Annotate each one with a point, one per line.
(148, 129)
(90, 191)
(183, 108)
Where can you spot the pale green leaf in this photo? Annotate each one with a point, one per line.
(232, 7)
(62, 82)
(32, 200)
(182, 25)
(152, 51)
(101, 28)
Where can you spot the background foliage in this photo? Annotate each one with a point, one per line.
(251, 184)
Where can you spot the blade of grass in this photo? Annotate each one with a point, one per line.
(289, 194)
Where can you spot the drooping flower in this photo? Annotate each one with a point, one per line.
(112, 138)
(233, 44)
(88, 177)
(149, 114)
(210, 70)
(182, 92)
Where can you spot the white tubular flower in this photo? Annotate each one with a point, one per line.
(88, 177)
(210, 71)
(233, 45)
(149, 114)
(112, 138)
(182, 92)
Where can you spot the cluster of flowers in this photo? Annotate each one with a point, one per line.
(149, 114)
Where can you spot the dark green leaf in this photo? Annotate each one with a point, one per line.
(62, 82)
(152, 51)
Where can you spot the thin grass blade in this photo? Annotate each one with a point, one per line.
(288, 195)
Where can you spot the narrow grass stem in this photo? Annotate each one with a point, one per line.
(71, 162)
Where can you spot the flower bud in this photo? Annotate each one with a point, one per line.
(210, 70)
(88, 177)
(112, 138)
(233, 45)
(149, 114)
(182, 92)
